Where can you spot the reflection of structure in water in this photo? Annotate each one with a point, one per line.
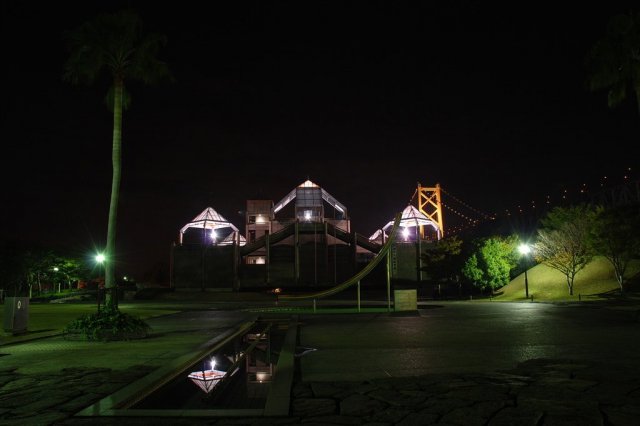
(207, 379)
(258, 365)
(243, 372)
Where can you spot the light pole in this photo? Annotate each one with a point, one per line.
(100, 258)
(56, 270)
(524, 250)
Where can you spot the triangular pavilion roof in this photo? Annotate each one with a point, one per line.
(411, 216)
(308, 184)
(230, 239)
(208, 219)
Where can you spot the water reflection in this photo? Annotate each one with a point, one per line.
(253, 356)
(259, 367)
(238, 375)
(207, 380)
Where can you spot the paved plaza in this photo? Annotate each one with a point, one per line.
(449, 363)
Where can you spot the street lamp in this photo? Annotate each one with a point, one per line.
(524, 250)
(56, 269)
(100, 259)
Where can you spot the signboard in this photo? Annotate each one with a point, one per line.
(405, 300)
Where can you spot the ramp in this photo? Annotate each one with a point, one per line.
(357, 277)
(276, 237)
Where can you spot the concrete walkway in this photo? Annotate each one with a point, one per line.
(453, 364)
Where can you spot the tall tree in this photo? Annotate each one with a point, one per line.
(563, 241)
(616, 236)
(614, 61)
(115, 44)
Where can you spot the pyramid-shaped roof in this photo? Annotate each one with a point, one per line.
(411, 216)
(208, 219)
(308, 184)
(230, 239)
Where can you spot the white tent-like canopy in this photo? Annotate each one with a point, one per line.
(308, 184)
(411, 217)
(211, 219)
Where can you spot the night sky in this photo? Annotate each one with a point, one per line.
(363, 98)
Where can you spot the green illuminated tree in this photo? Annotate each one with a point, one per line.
(114, 44)
(614, 60)
(471, 270)
(563, 241)
(492, 262)
(616, 236)
(69, 270)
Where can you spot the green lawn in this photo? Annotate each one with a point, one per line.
(595, 281)
(53, 316)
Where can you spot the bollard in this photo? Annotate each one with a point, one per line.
(532, 297)
(579, 297)
(471, 297)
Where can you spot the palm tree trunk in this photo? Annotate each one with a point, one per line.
(110, 277)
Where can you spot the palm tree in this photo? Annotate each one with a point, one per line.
(114, 43)
(614, 60)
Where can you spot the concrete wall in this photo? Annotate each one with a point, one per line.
(197, 267)
(212, 268)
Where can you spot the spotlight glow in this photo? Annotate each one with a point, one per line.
(524, 249)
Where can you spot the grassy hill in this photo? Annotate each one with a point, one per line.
(595, 281)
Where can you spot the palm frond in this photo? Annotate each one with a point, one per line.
(613, 63)
(114, 43)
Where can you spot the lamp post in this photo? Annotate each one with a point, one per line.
(524, 250)
(100, 258)
(56, 270)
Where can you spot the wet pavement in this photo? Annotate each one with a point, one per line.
(460, 337)
(448, 364)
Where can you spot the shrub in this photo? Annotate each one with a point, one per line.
(107, 325)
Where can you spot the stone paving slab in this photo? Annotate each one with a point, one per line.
(521, 396)
(48, 381)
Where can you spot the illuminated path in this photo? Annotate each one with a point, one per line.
(463, 337)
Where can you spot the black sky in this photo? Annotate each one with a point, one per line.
(363, 98)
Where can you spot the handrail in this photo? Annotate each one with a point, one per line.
(276, 237)
(357, 277)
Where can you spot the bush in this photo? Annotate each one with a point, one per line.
(107, 325)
